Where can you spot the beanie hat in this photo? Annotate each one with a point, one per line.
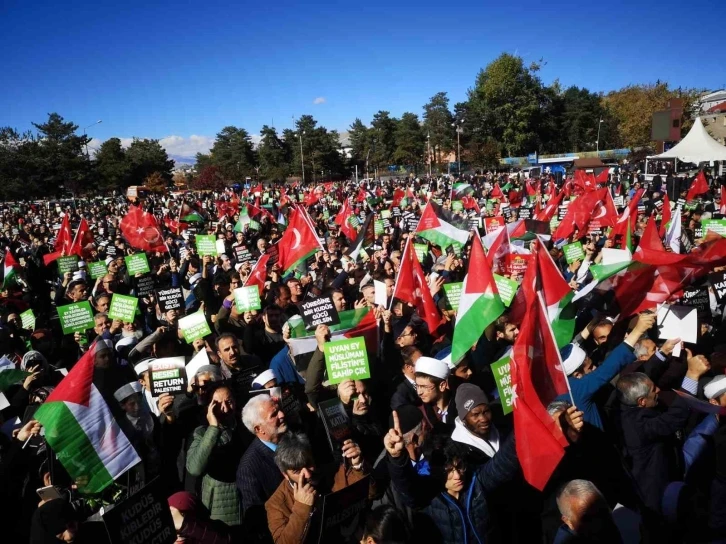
(468, 397)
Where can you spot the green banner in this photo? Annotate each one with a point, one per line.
(421, 251)
(452, 292)
(385, 214)
(503, 378)
(206, 244)
(67, 264)
(137, 264)
(573, 252)
(28, 319)
(716, 225)
(247, 298)
(76, 317)
(123, 307)
(378, 227)
(507, 288)
(97, 270)
(194, 326)
(346, 360)
(457, 205)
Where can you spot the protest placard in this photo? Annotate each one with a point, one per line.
(343, 513)
(28, 319)
(385, 214)
(167, 375)
(137, 264)
(452, 293)
(697, 297)
(421, 250)
(319, 311)
(378, 227)
(274, 253)
(336, 422)
(503, 379)
(247, 298)
(170, 299)
(242, 255)
(715, 225)
(97, 270)
(677, 322)
(67, 264)
(573, 252)
(515, 265)
(493, 223)
(199, 360)
(381, 293)
(457, 205)
(76, 317)
(206, 245)
(143, 518)
(145, 285)
(717, 281)
(194, 326)
(123, 308)
(525, 213)
(346, 360)
(221, 247)
(507, 288)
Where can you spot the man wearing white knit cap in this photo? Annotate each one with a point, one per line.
(433, 388)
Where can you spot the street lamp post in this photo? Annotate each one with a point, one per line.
(84, 134)
(597, 142)
(302, 158)
(459, 130)
(428, 151)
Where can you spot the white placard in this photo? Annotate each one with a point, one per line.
(678, 322)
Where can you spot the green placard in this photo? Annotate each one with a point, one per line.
(28, 319)
(76, 317)
(573, 252)
(346, 360)
(137, 264)
(507, 288)
(247, 298)
(194, 326)
(421, 250)
(378, 227)
(385, 214)
(716, 225)
(554, 222)
(97, 269)
(326, 214)
(67, 264)
(206, 244)
(457, 205)
(453, 295)
(123, 307)
(503, 379)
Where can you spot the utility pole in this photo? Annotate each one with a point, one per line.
(597, 142)
(84, 134)
(428, 153)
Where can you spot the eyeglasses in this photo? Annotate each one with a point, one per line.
(425, 387)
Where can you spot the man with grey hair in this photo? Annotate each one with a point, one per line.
(649, 434)
(291, 506)
(257, 474)
(586, 515)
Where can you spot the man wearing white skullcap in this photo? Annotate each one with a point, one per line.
(433, 388)
(714, 391)
(131, 399)
(142, 371)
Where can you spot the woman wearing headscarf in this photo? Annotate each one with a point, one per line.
(192, 523)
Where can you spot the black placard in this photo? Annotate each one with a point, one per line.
(396, 211)
(718, 283)
(274, 253)
(143, 518)
(336, 422)
(343, 513)
(561, 212)
(145, 286)
(319, 311)
(170, 299)
(111, 251)
(168, 377)
(525, 213)
(697, 297)
(242, 255)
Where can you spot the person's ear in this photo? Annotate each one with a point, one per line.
(46, 479)
(567, 522)
(641, 402)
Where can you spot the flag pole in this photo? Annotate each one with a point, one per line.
(403, 256)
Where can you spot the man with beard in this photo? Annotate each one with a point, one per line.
(238, 368)
(257, 475)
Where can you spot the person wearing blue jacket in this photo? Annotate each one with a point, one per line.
(453, 496)
(585, 381)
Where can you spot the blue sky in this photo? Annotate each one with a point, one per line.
(174, 70)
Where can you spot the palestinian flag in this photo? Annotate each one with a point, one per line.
(408, 198)
(460, 190)
(435, 228)
(190, 215)
(479, 305)
(298, 242)
(10, 374)
(244, 219)
(353, 323)
(11, 270)
(366, 238)
(81, 430)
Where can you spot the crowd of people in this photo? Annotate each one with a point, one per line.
(432, 443)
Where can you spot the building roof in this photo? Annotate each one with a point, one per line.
(697, 146)
(588, 163)
(718, 108)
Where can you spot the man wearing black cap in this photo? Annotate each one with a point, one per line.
(474, 426)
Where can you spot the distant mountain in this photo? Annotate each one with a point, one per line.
(180, 160)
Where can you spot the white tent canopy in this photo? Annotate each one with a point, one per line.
(697, 146)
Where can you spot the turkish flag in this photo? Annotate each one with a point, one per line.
(650, 249)
(142, 231)
(411, 287)
(602, 177)
(225, 207)
(537, 378)
(342, 220)
(629, 215)
(496, 192)
(698, 187)
(84, 238)
(63, 241)
(398, 195)
(258, 275)
(550, 209)
(593, 206)
(298, 241)
(723, 200)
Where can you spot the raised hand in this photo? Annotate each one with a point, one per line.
(303, 492)
(393, 441)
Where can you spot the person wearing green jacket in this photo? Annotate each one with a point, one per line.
(214, 455)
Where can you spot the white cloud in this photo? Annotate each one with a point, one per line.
(319, 100)
(179, 146)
